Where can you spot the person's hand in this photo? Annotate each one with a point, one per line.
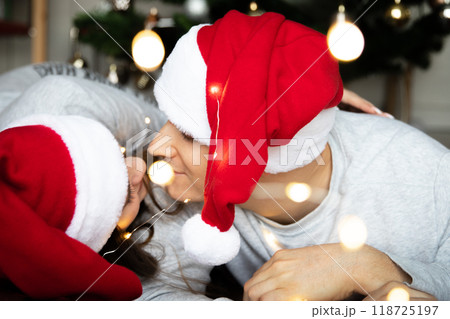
(382, 293)
(136, 191)
(325, 272)
(353, 99)
(309, 273)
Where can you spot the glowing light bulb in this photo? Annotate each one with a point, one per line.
(161, 173)
(123, 149)
(298, 192)
(253, 6)
(398, 294)
(297, 298)
(396, 13)
(187, 200)
(196, 8)
(271, 240)
(126, 235)
(345, 40)
(147, 120)
(352, 232)
(148, 50)
(214, 89)
(446, 13)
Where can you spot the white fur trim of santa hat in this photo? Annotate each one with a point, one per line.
(181, 95)
(212, 247)
(101, 184)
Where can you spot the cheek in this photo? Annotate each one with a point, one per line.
(184, 185)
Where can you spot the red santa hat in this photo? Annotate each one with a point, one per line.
(247, 83)
(63, 186)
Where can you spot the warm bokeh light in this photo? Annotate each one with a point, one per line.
(214, 89)
(123, 149)
(345, 40)
(147, 120)
(298, 192)
(187, 200)
(396, 13)
(161, 173)
(352, 232)
(196, 8)
(398, 294)
(126, 235)
(297, 298)
(271, 240)
(253, 6)
(446, 13)
(148, 50)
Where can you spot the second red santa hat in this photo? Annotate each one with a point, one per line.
(63, 186)
(244, 84)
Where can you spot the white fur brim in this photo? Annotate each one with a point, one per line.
(207, 244)
(100, 172)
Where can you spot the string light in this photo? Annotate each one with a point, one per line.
(187, 200)
(398, 294)
(126, 235)
(147, 120)
(161, 173)
(123, 149)
(352, 232)
(214, 89)
(345, 40)
(298, 192)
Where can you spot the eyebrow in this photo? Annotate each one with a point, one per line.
(186, 136)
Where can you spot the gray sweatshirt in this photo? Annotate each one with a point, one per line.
(392, 176)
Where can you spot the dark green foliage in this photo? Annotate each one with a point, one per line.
(388, 48)
(121, 26)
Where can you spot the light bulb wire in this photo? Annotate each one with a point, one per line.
(216, 140)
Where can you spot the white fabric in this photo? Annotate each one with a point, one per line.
(181, 95)
(100, 171)
(181, 88)
(304, 147)
(207, 244)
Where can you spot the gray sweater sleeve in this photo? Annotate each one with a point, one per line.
(434, 278)
(122, 113)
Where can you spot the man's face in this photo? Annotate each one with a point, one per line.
(188, 160)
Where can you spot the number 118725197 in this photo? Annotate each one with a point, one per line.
(420, 310)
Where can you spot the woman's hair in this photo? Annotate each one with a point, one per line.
(130, 253)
